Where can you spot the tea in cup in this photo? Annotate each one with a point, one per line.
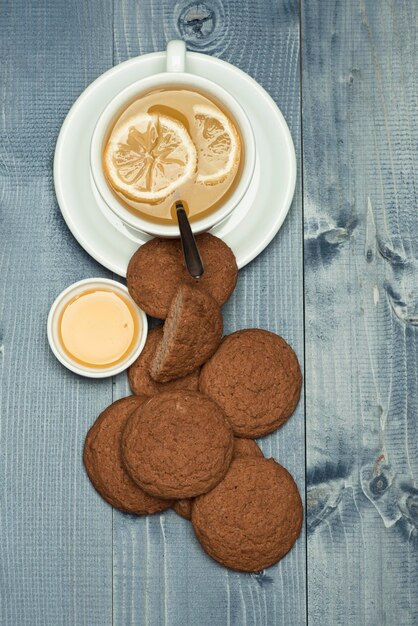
(172, 143)
(173, 136)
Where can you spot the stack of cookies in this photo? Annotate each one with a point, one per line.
(185, 438)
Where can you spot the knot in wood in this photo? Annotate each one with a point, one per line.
(412, 506)
(369, 255)
(378, 485)
(262, 578)
(197, 21)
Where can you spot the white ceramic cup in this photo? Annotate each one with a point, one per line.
(175, 76)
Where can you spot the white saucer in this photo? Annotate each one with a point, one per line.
(253, 223)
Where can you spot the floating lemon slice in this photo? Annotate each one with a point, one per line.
(218, 145)
(149, 157)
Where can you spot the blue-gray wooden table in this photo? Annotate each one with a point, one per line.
(339, 282)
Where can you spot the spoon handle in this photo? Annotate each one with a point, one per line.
(191, 253)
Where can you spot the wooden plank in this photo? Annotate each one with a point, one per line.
(361, 225)
(161, 576)
(56, 534)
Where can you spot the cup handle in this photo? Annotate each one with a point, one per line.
(176, 56)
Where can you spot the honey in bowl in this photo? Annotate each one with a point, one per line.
(173, 144)
(98, 328)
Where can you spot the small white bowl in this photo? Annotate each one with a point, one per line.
(53, 335)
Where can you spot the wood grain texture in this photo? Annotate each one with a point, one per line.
(56, 534)
(361, 224)
(65, 557)
(161, 576)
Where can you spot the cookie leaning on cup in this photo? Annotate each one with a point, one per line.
(139, 377)
(191, 334)
(157, 269)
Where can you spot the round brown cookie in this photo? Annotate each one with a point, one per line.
(103, 463)
(139, 377)
(251, 519)
(242, 448)
(178, 445)
(255, 377)
(184, 508)
(157, 269)
(192, 332)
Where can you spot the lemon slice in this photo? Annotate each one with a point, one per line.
(149, 157)
(218, 145)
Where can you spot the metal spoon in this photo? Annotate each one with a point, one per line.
(190, 251)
